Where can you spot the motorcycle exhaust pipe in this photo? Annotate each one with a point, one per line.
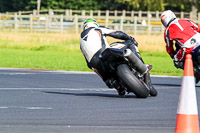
(137, 63)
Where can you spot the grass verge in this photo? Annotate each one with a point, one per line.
(74, 61)
(55, 51)
(162, 63)
(70, 61)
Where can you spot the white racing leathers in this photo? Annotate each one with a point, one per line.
(93, 43)
(92, 40)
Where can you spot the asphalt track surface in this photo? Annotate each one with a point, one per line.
(73, 102)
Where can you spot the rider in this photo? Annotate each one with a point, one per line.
(184, 32)
(93, 42)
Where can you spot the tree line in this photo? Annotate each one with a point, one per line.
(144, 5)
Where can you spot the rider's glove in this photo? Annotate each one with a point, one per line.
(171, 55)
(179, 64)
(134, 41)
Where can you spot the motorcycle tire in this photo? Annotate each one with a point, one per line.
(153, 92)
(131, 82)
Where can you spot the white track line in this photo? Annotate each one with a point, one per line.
(28, 108)
(71, 72)
(61, 89)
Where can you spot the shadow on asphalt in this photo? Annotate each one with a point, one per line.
(172, 85)
(91, 94)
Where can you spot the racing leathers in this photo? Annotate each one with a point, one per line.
(186, 35)
(93, 43)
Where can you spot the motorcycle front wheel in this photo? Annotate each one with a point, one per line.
(131, 82)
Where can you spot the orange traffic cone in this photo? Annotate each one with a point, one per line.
(187, 113)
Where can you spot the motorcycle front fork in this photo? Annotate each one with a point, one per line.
(147, 80)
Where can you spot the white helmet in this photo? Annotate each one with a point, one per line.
(90, 23)
(167, 17)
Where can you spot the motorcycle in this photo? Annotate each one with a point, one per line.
(196, 63)
(128, 70)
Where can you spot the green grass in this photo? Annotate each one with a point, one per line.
(51, 60)
(74, 60)
(162, 63)
(55, 51)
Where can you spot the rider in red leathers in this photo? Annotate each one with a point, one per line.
(184, 33)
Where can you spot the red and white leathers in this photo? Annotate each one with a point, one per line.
(185, 33)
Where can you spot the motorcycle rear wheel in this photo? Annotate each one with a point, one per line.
(131, 82)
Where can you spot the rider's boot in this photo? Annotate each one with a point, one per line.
(112, 83)
(135, 50)
(109, 82)
(121, 91)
